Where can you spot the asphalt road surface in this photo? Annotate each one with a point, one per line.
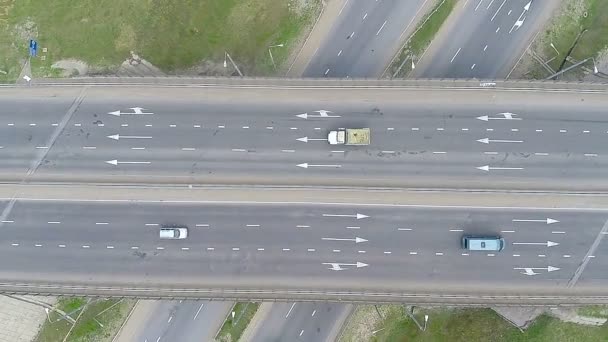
(364, 38)
(187, 321)
(318, 322)
(420, 138)
(302, 246)
(485, 39)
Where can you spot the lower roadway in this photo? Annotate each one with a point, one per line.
(301, 246)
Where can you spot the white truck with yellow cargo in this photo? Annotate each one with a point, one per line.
(349, 136)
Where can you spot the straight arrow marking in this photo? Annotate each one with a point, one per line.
(357, 215)
(306, 165)
(548, 268)
(116, 162)
(488, 140)
(488, 168)
(306, 116)
(548, 243)
(547, 220)
(118, 137)
(337, 266)
(307, 139)
(355, 240)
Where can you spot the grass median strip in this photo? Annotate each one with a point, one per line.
(95, 320)
(390, 323)
(175, 36)
(237, 321)
(422, 37)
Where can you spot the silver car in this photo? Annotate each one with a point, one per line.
(173, 233)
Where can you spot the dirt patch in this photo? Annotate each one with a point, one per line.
(71, 67)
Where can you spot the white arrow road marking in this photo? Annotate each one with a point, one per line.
(27, 78)
(306, 165)
(530, 270)
(355, 240)
(547, 220)
(306, 116)
(357, 215)
(488, 140)
(488, 168)
(136, 111)
(116, 162)
(337, 266)
(118, 137)
(506, 116)
(548, 243)
(307, 139)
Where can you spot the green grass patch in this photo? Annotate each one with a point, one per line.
(423, 36)
(172, 35)
(475, 325)
(580, 31)
(99, 321)
(233, 328)
(597, 311)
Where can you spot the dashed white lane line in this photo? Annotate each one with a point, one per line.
(326, 71)
(269, 127)
(311, 250)
(390, 129)
(100, 125)
(185, 248)
(61, 246)
(438, 253)
(473, 66)
(138, 148)
(456, 230)
(188, 149)
(55, 125)
(286, 249)
(290, 309)
(456, 54)
(353, 227)
(42, 147)
(260, 249)
(14, 244)
(317, 128)
(439, 152)
(507, 231)
(86, 246)
(498, 29)
(464, 254)
(151, 224)
(236, 249)
(202, 225)
(498, 10)
(464, 129)
(590, 154)
(541, 154)
(491, 153)
(490, 129)
(134, 247)
(302, 226)
(110, 247)
(387, 252)
(38, 245)
(415, 129)
(210, 248)
(301, 332)
(586, 132)
(485, 48)
(563, 131)
(221, 126)
(288, 151)
(8, 221)
(32, 125)
(339, 53)
(558, 232)
(516, 255)
(405, 229)
(89, 147)
(54, 222)
(172, 126)
(252, 225)
(361, 252)
(238, 150)
(293, 128)
(336, 251)
(541, 255)
(160, 248)
(148, 125)
(102, 223)
(413, 253)
(313, 313)
(491, 254)
(381, 27)
(245, 127)
(196, 126)
(567, 255)
(591, 256)
(338, 151)
(539, 130)
(514, 129)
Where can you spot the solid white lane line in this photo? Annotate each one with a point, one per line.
(498, 10)
(197, 311)
(456, 54)
(341, 9)
(381, 27)
(291, 308)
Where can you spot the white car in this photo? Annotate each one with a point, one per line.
(173, 233)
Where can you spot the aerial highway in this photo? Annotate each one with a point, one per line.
(336, 248)
(364, 37)
(427, 138)
(486, 38)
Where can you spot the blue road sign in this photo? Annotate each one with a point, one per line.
(33, 48)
